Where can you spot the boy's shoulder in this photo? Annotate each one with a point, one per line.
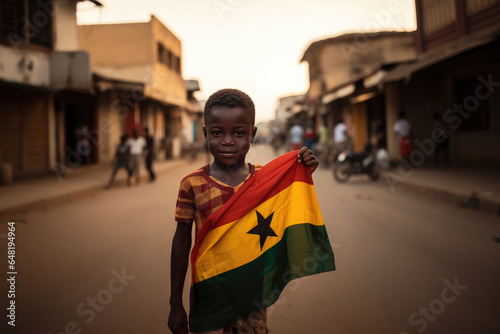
(201, 171)
(196, 179)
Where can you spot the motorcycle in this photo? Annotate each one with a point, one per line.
(349, 163)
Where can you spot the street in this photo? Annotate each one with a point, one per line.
(405, 264)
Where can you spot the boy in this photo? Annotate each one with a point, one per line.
(229, 130)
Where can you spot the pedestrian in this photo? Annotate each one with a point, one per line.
(149, 148)
(309, 136)
(137, 145)
(277, 139)
(296, 135)
(121, 160)
(229, 130)
(323, 134)
(402, 128)
(83, 146)
(340, 138)
(322, 147)
(443, 144)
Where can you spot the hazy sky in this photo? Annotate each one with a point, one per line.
(254, 45)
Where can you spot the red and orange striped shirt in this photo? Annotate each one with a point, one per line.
(200, 194)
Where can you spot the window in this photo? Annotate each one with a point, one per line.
(161, 53)
(177, 64)
(166, 57)
(168, 60)
(26, 22)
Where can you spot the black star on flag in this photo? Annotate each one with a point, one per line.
(263, 228)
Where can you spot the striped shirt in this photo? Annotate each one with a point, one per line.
(200, 194)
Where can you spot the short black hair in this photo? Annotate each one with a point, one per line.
(229, 97)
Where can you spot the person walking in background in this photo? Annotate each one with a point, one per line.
(296, 135)
(309, 135)
(149, 154)
(83, 146)
(322, 148)
(278, 139)
(340, 137)
(323, 135)
(121, 160)
(137, 145)
(402, 128)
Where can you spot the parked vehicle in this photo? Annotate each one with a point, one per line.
(354, 163)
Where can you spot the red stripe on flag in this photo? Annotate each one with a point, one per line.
(269, 181)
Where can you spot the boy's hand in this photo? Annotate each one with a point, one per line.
(177, 320)
(307, 157)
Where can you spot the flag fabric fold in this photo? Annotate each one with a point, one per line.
(270, 232)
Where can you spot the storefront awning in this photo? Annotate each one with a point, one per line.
(103, 84)
(338, 94)
(405, 71)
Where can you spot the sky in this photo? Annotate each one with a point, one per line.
(254, 45)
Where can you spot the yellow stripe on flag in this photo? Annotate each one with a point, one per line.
(230, 246)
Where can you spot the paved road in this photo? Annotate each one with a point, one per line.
(405, 264)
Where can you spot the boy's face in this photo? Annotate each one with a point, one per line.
(229, 132)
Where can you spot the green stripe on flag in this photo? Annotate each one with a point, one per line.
(221, 300)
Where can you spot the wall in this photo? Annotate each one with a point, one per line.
(110, 126)
(64, 26)
(129, 52)
(168, 85)
(24, 130)
(117, 45)
(478, 148)
(159, 131)
(393, 105)
(427, 92)
(442, 22)
(359, 126)
(24, 66)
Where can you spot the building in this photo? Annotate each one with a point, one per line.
(448, 67)
(39, 61)
(456, 74)
(138, 77)
(288, 107)
(343, 75)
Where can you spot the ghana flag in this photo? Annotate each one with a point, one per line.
(269, 233)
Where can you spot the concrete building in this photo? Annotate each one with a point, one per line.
(139, 83)
(456, 75)
(448, 67)
(341, 75)
(39, 60)
(288, 106)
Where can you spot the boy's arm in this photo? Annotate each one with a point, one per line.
(307, 157)
(181, 245)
